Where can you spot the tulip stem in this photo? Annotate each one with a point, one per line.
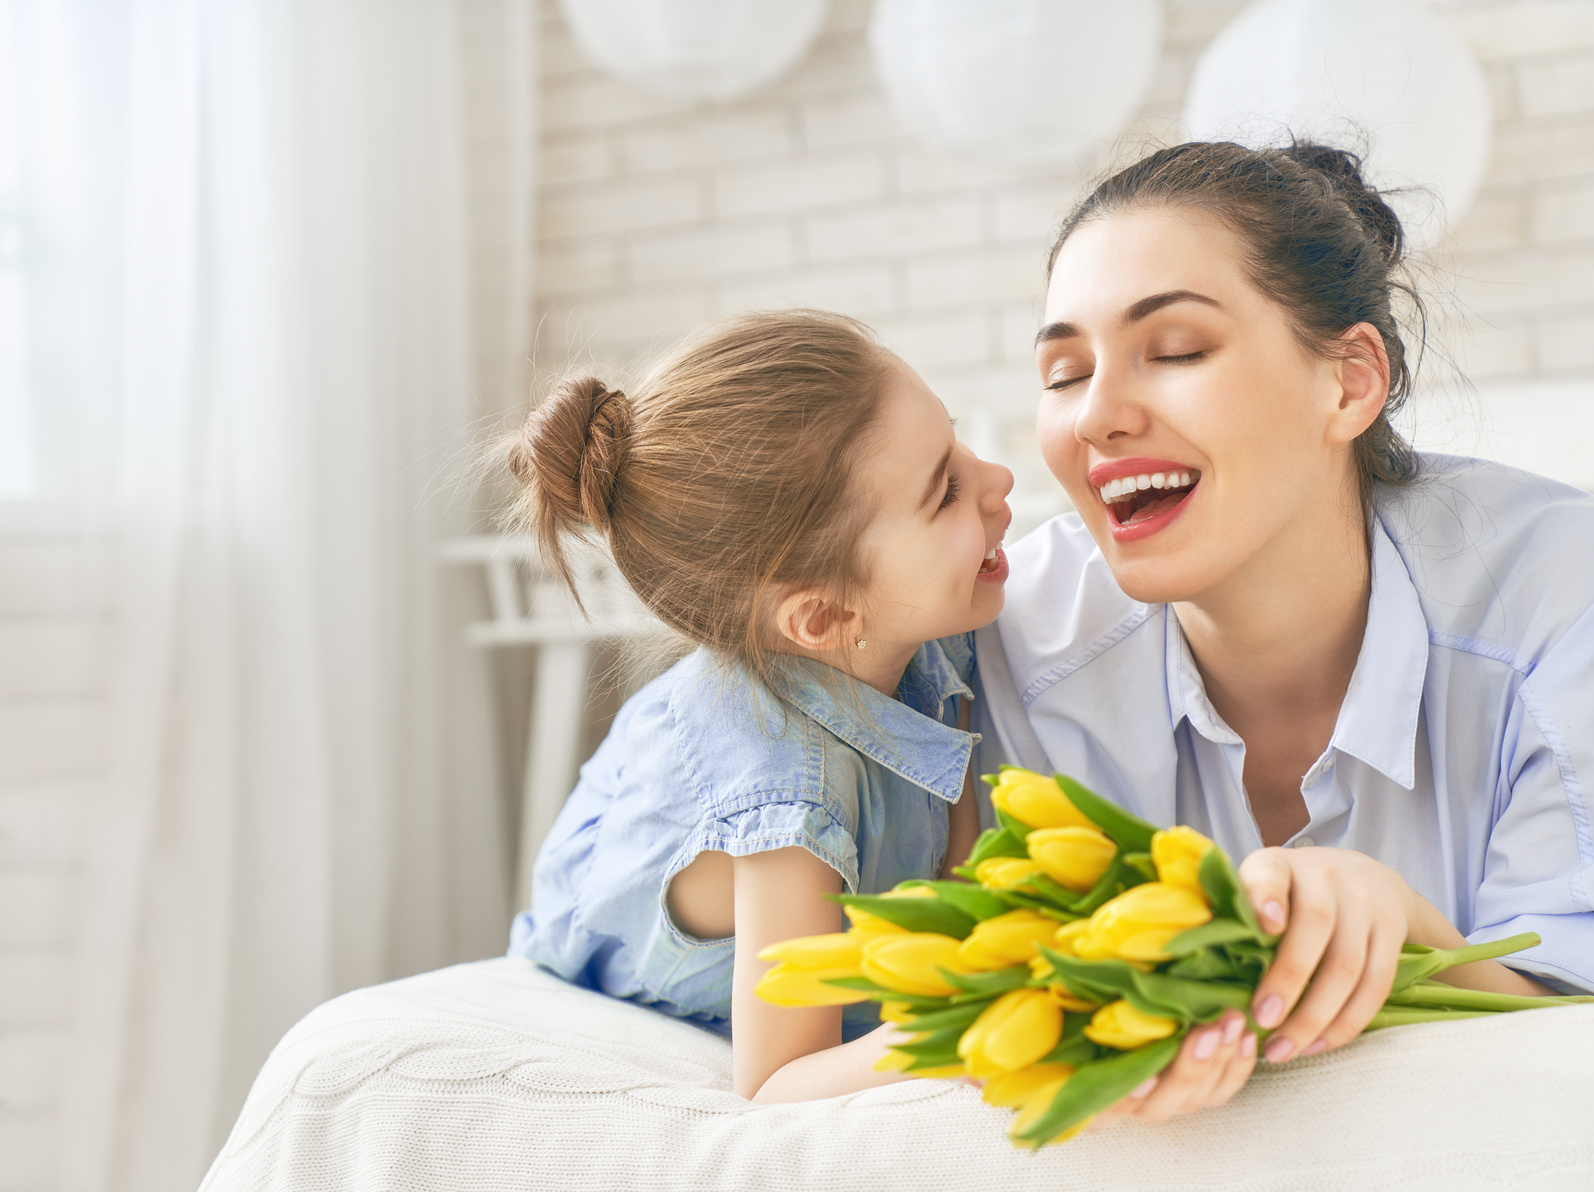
(1433, 993)
(1406, 1015)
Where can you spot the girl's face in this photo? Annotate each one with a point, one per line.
(1192, 430)
(935, 562)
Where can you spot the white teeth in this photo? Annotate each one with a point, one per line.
(1117, 490)
(990, 554)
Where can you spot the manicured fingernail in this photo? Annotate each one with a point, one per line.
(1271, 1012)
(1315, 1048)
(1248, 1046)
(1206, 1044)
(1278, 1050)
(1273, 912)
(1232, 1029)
(1143, 1090)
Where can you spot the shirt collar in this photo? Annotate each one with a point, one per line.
(1378, 719)
(905, 735)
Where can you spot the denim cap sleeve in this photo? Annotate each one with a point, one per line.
(757, 770)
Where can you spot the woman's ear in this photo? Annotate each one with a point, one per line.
(812, 620)
(1363, 375)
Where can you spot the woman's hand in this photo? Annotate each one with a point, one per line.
(1212, 1065)
(1344, 917)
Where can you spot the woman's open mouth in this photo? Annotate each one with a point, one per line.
(1142, 503)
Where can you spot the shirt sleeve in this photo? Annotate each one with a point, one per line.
(1539, 866)
(780, 821)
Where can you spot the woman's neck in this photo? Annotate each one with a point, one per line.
(1276, 644)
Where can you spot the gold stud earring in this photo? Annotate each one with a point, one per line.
(862, 643)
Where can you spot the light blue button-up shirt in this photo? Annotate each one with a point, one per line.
(707, 758)
(1463, 756)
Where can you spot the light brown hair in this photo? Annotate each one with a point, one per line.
(723, 481)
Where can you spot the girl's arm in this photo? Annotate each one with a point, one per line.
(778, 1053)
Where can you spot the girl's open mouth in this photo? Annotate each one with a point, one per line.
(994, 564)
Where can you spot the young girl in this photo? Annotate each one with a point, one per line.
(789, 496)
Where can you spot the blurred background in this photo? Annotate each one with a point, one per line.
(281, 713)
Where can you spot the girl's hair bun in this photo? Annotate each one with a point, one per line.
(1342, 170)
(570, 453)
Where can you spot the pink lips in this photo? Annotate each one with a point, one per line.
(1117, 469)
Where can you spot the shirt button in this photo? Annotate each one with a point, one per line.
(1304, 842)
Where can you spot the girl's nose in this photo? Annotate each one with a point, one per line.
(998, 484)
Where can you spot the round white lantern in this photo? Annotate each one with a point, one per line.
(1380, 75)
(1017, 80)
(704, 49)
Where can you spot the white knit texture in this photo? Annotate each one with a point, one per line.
(496, 1075)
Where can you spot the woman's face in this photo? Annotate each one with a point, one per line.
(1196, 436)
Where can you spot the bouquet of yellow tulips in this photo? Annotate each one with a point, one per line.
(1070, 966)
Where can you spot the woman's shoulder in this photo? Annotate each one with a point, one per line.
(1501, 558)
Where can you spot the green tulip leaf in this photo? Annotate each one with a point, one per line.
(1097, 1086)
(1206, 964)
(1015, 828)
(1228, 897)
(986, 984)
(975, 901)
(954, 1017)
(1128, 830)
(1072, 1047)
(938, 1043)
(994, 842)
(913, 914)
(1215, 931)
(1140, 864)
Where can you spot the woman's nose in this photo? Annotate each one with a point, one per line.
(1109, 410)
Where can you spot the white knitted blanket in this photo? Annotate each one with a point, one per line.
(495, 1075)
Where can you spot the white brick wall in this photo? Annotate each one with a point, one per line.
(53, 649)
(657, 214)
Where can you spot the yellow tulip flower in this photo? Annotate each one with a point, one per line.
(1038, 1082)
(1177, 854)
(1036, 801)
(792, 985)
(1138, 924)
(898, 1061)
(1120, 1025)
(841, 949)
(1005, 940)
(1011, 1033)
(1074, 857)
(867, 922)
(1004, 873)
(908, 962)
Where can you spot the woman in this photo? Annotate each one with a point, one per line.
(1368, 673)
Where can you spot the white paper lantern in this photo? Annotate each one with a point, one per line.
(704, 49)
(1378, 74)
(1017, 80)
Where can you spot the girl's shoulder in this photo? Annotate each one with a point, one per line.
(1502, 559)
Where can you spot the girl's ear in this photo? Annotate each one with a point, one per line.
(812, 620)
(1363, 374)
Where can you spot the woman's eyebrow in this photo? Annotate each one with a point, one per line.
(1132, 314)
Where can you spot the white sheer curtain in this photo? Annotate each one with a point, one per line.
(250, 343)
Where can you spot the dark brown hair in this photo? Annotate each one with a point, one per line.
(1319, 241)
(723, 480)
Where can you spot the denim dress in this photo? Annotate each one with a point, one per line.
(708, 758)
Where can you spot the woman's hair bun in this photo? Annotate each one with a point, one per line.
(1342, 169)
(570, 453)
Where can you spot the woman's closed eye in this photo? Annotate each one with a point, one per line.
(1062, 383)
(1182, 358)
(950, 495)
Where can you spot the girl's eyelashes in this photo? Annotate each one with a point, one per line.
(950, 495)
